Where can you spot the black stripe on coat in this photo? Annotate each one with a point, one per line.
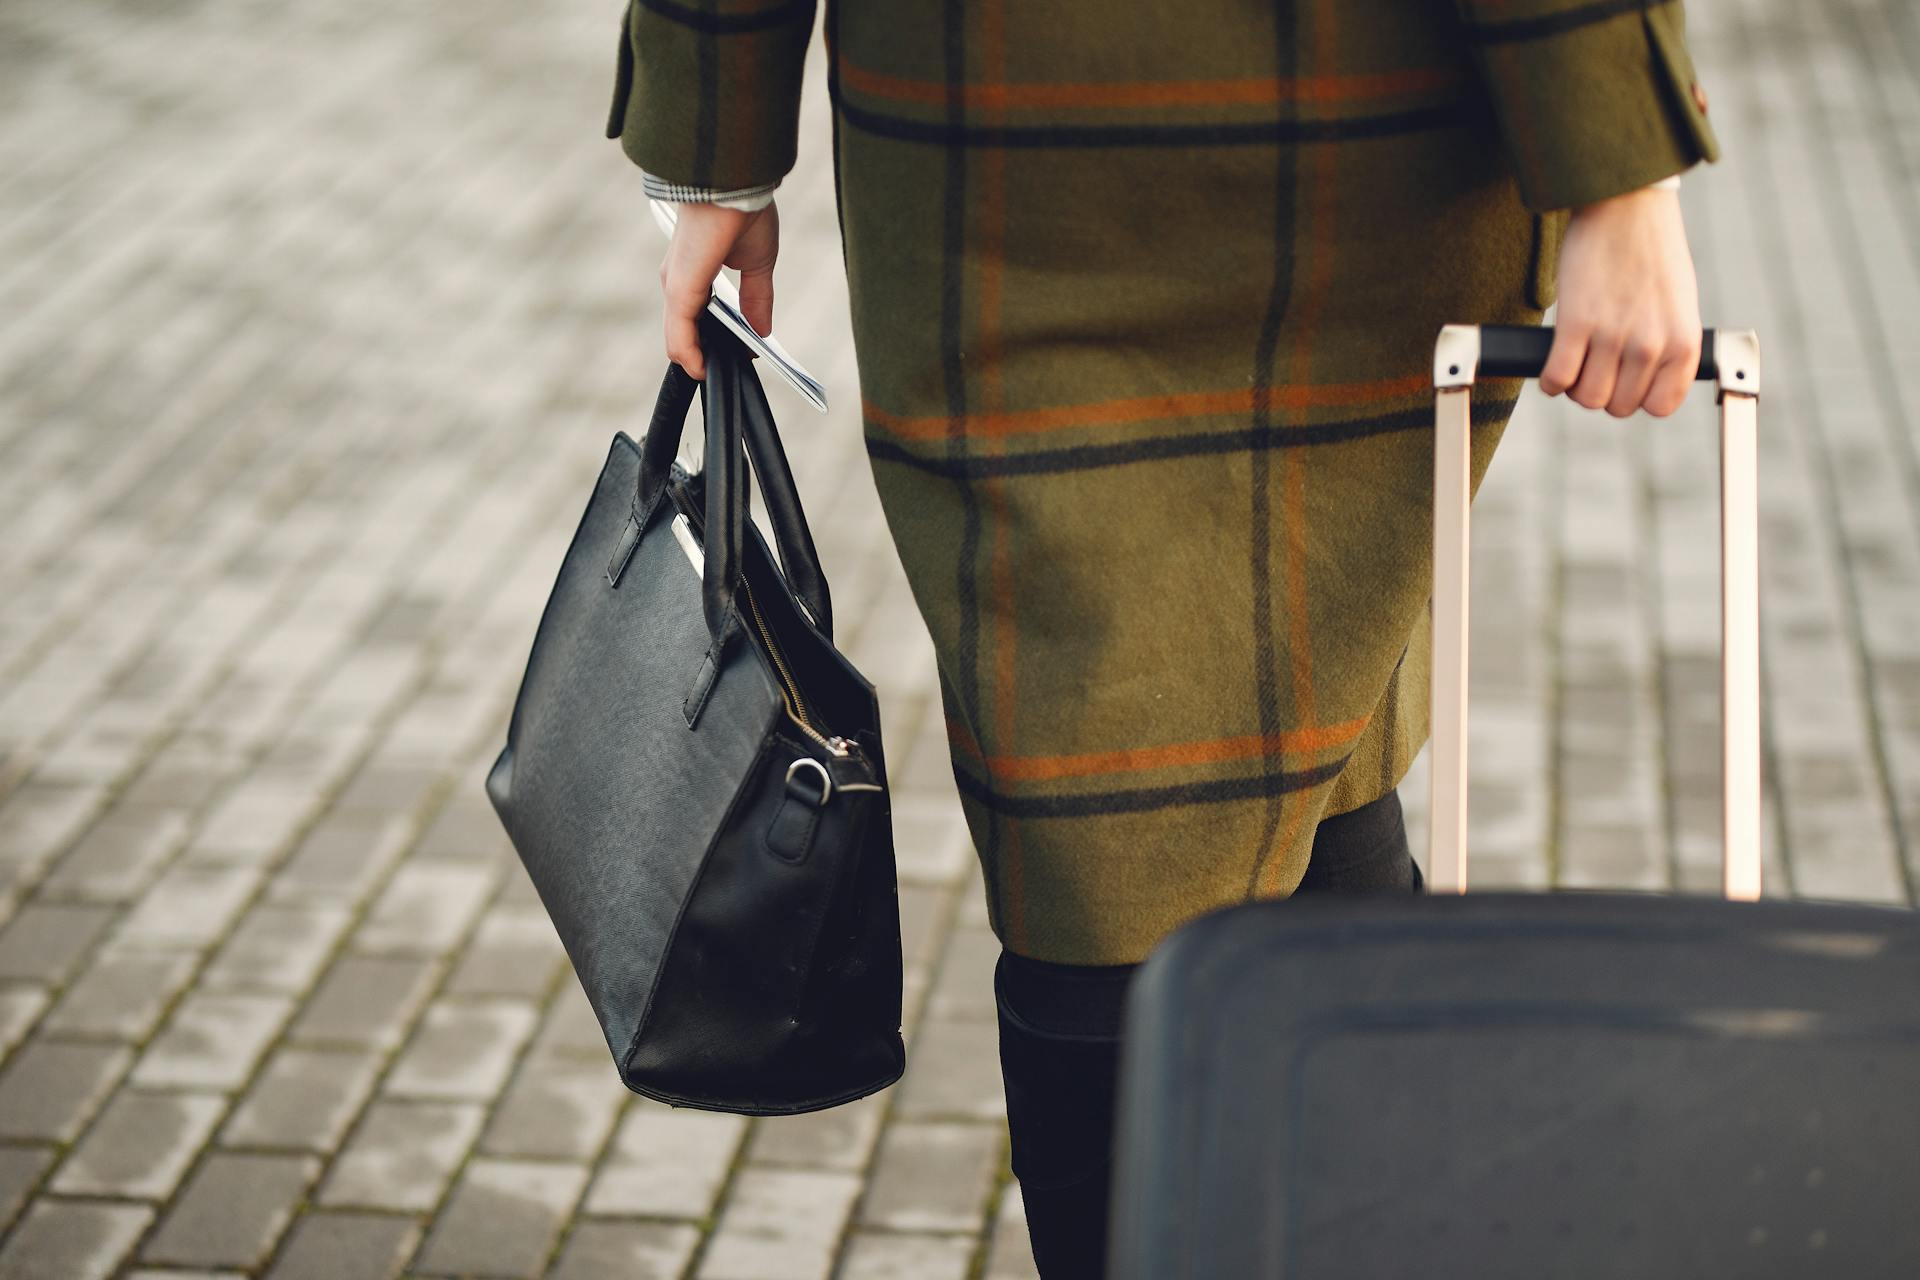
(1087, 457)
(1286, 212)
(1202, 134)
(953, 261)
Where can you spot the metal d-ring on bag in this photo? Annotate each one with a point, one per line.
(693, 777)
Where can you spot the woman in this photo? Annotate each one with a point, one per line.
(1144, 300)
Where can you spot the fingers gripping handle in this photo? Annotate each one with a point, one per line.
(1521, 350)
(1731, 358)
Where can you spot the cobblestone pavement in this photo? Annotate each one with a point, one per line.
(315, 321)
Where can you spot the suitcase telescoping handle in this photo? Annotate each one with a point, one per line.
(1731, 359)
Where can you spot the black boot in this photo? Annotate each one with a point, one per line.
(1060, 1060)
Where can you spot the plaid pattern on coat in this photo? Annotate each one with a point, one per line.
(1144, 299)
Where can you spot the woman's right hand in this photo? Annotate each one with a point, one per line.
(706, 237)
(1627, 333)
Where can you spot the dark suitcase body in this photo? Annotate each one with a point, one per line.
(1525, 1086)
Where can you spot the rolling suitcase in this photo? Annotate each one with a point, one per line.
(1531, 1085)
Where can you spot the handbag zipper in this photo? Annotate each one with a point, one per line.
(789, 687)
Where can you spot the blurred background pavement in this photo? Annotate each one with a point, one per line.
(315, 322)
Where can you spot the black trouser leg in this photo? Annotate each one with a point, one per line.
(1060, 1035)
(1060, 1061)
(1363, 851)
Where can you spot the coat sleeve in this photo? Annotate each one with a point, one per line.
(1595, 97)
(707, 92)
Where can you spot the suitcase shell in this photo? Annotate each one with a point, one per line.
(1528, 1085)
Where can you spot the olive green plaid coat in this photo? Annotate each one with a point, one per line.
(1144, 299)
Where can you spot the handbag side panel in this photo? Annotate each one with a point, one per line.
(609, 798)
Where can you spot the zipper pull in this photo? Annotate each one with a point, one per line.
(848, 750)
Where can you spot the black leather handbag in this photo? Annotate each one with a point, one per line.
(694, 779)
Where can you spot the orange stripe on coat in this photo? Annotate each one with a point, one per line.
(1320, 254)
(1165, 756)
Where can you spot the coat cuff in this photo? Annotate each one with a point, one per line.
(707, 99)
(747, 199)
(1595, 98)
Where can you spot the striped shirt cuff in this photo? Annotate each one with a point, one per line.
(746, 199)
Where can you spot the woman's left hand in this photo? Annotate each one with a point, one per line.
(1627, 333)
(707, 237)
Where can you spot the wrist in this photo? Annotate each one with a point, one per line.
(1664, 191)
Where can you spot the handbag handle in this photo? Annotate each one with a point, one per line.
(735, 411)
(799, 561)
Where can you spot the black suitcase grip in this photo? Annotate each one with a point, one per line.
(1520, 351)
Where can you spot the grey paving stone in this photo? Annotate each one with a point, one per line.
(514, 952)
(953, 1072)
(385, 786)
(516, 891)
(666, 1162)
(1844, 852)
(140, 1145)
(503, 1218)
(913, 998)
(557, 1109)
(20, 1171)
(122, 994)
(45, 941)
(462, 1049)
(120, 854)
(872, 1255)
(71, 1240)
(964, 987)
(426, 907)
(50, 1088)
(780, 1224)
(341, 857)
(402, 1155)
(39, 819)
(184, 775)
(213, 1041)
(569, 1027)
(933, 1177)
(232, 1211)
(366, 1001)
(20, 1004)
(277, 948)
(253, 821)
(187, 907)
(630, 1250)
(930, 840)
(924, 911)
(303, 1099)
(927, 777)
(1010, 1251)
(466, 828)
(1611, 857)
(333, 1246)
(835, 1138)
